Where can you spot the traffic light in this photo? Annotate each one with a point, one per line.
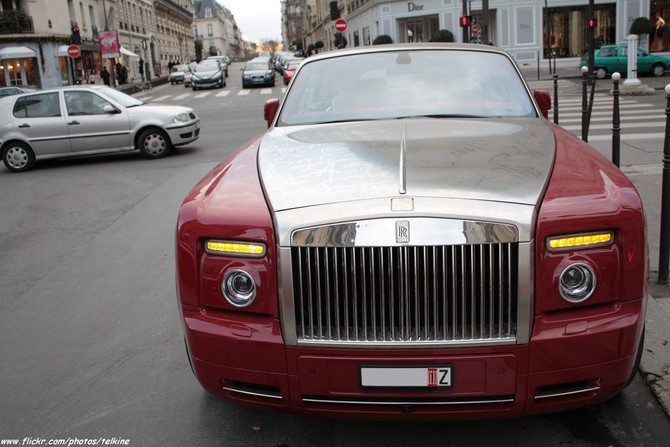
(75, 37)
(466, 21)
(593, 23)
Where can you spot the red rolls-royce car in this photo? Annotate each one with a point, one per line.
(412, 239)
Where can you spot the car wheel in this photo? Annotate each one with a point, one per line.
(18, 156)
(601, 73)
(154, 143)
(658, 70)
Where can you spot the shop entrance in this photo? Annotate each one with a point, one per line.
(417, 29)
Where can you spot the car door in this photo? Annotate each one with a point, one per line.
(644, 61)
(94, 123)
(38, 118)
(622, 61)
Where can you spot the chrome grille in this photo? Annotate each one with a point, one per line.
(423, 294)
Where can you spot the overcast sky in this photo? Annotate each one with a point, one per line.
(259, 20)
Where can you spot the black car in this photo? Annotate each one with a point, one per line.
(208, 74)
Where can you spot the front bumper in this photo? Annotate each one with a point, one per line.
(184, 134)
(574, 359)
(208, 83)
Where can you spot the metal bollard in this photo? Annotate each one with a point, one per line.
(664, 250)
(585, 110)
(616, 120)
(555, 99)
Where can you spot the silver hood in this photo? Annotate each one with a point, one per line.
(491, 170)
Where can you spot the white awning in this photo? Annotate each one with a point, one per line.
(128, 53)
(16, 53)
(62, 50)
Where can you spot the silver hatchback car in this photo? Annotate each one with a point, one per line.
(73, 121)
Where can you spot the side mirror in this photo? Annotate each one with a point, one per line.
(543, 99)
(108, 108)
(270, 110)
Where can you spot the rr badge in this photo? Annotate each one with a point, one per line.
(402, 231)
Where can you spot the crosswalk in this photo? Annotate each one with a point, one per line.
(160, 95)
(639, 120)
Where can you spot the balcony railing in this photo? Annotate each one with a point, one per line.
(14, 21)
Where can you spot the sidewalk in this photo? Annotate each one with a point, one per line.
(644, 166)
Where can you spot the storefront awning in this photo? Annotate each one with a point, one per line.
(16, 53)
(127, 52)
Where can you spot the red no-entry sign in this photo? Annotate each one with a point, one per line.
(340, 25)
(73, 51)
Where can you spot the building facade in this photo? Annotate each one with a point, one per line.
(215, 26)
(531, 30)
(147, 35)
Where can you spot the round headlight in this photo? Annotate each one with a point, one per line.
(577, 283)
(239, 288)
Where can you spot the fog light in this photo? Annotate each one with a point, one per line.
(577, 283)
(239, 288)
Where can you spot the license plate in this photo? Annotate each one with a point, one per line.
(406, 377)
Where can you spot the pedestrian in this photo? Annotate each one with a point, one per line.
(659, 32)
(105, 76)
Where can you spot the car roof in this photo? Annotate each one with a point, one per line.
(407, 47)
(67, 87)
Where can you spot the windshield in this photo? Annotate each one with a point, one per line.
(403, 84)
(120, 97)
(257, 66)
(209, 66)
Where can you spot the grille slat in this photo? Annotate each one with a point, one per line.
(431, 294)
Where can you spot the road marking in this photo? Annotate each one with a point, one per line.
(202, 95)
(223, 93)
(161, 98)
(182, 96)
(623, 125)
(266, 91)
(244, 92)
(629, 137)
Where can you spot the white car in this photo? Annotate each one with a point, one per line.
(177, 74)
(73, 121)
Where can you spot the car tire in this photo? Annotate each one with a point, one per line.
(154, 143)
(657, 70)
(601, 73)
(18, 156)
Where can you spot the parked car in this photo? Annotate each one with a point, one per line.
(412, 239)
(177, 74)
(12, 90)
(290, 68)
(73, 121)
(208, 74)
(614, 58)
(258, 72)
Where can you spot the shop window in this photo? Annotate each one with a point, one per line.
(565, 29)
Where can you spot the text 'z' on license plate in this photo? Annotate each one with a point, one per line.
(406, 377)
